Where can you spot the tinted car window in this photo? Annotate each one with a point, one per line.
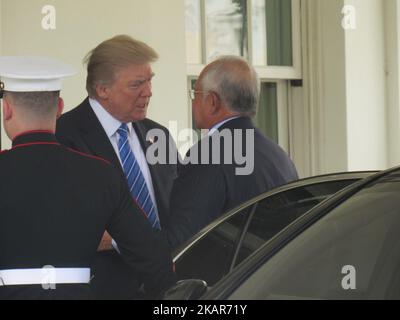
(275, 213)
(211, 257)
(351, 253)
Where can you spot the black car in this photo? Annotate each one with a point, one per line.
(219, 248)
(347, 247)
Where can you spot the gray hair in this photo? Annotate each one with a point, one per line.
(236, 82)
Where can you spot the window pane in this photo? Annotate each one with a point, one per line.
(259, 33)
(211, 258)
(193, 31)
(279, 32)
(226, 28)
(267, 115)
(275, 213)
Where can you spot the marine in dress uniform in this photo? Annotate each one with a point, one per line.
(56, 203)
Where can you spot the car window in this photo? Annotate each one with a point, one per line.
(275, 213)
(351, 253)
(210, 258)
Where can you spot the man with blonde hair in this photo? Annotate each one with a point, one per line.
(111, 123)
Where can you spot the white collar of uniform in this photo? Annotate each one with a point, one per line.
(109, 123)
(220, 124)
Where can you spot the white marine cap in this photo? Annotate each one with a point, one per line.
(32, 74)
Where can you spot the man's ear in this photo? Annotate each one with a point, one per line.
(102, 91)
(215, 103)
(60, 107)
(7, 110)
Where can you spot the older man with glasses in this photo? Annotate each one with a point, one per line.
(214, 178)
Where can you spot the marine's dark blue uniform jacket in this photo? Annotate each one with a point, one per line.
(55, 205)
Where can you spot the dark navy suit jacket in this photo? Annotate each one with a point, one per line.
(54, 208)
(80, 129)
(203, 192)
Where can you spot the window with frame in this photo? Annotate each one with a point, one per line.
(210, 259)
(264, 32)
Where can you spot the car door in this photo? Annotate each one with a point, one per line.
(346, 249)
(230, 240)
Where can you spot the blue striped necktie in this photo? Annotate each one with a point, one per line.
(136, 182)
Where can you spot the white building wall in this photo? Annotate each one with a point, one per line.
(81, 25)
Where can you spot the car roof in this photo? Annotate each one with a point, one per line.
(339, 176)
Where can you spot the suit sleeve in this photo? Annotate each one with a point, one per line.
(197, 198)
(142, 247)
(64, 135)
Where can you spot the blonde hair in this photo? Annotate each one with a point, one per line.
(111, 55)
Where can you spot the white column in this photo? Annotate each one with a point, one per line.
(366, 87)
(323, 115)
(345, 86)
(4, 142)
(392, 18)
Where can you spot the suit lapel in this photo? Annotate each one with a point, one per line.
(95, 137)
(141, 132)
(98, 144)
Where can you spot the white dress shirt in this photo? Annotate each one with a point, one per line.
(111, 126)
(220, 124)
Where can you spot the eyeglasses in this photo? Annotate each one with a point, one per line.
(1, 90)
(192, 93)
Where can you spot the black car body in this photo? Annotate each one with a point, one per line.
(227, 243)
(347, 247)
